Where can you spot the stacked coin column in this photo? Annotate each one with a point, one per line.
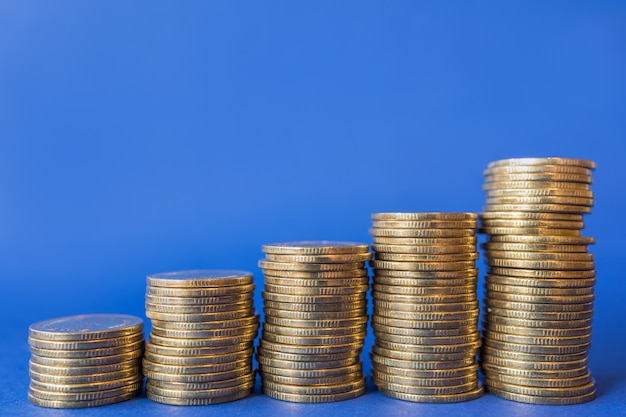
(85, 361)
(315, 321)
(425, 306)
(201, 344)
(540, 283)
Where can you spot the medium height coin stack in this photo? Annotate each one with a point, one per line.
(425, 306)
(201, 344)
(85, 361)
(540, 283)
(315, 320)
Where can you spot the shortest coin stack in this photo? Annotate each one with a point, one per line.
(315, 321)
(425, 306)
(85, 361)
(203, 328)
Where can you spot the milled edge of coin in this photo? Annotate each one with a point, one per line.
(424, 216)
(314, 247)
(450, 398)
(200, 278)
(81, 404)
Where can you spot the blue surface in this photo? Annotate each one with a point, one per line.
(139, 137)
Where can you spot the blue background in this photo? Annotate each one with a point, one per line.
(139, 137)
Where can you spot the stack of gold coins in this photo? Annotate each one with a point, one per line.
(540, 283)
(425, 306)
(201, 344)
(315, 320)
(85, 361)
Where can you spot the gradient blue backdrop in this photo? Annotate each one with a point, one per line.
(138, 137)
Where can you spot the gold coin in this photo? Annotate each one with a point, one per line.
(200, 394)
(292, 357)
(530, 215)
(424, 241)
(314, 275)
(418, 390)
(425, 216)
(83, 379)
(541, 283)
(552, 224)
(426, 316)
(206, 296)
(202, 342)
(336, 323)
(434, 358)
(331, 380)
(540, 299)
(305, 398)
(423, 382)
(553, 350)
(197, 401)
(534, 365)
(310, 267)
(315, 291)
(212, 325)
(507, 354)
(335, 258)
(411, 257)
(540, 256)
(95, 386)
(315, 331)
(85, 345)
(552, 240)
(96, 361)
(315, 283)
(534, 273)
(423, 266)
(152, 348)
(541, 382)
(543, 400)
(82, 370)
(537, 340)
(314, 340)
(198, 378)
(449, 398)
(204, 317)
(425, 299)
(428, 340)
(426, 373)
(81, 404)
(543, 208)
(158, 301)
(265, 345)
(511, 185)
(196, 369)
(536, 192)
(543, 161)
(404, 331)
(549, 291)
(463, 273)
(541, 320)
(424, 325)
(426, 307)
(87, 353)
(84, 396)
(539, 176)
(199, 309)
(541, 231)
(314, 304)
(424, 224)
(86, 327)
(424, 249)
(315, 315)
(422, 233)
(423, 365)
(321, 247)
(203, 334)
(534, 247)
(489, 368)
(406, 284)
(315, 390)
(306, 365)
(444, 290)
(200, 278)
(540, 308)
(192, 386)
(544, 392)
(311, 373)
(567, 169)
(199, 360)
(532, 264)
(429, 349)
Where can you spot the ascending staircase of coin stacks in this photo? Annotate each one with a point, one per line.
(201, 344)
(540, 282)
(315, 321)
(425, 306)
(85, 361)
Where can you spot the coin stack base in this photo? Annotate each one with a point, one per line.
(425, 306)
(85, 361)
(540, 285)
(201, 344)
(315, 321)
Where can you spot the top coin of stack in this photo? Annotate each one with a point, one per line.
(315, 320)
(203, 329)
(540, 283)
(425, 306)
(85, 361)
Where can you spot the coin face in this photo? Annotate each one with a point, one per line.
(200, 278)
(425, 216)
(86, 327)
(319, 247)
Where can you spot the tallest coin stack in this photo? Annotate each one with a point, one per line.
(540, 282)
